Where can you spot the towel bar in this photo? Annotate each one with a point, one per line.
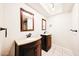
(73, 30)
(5, 30)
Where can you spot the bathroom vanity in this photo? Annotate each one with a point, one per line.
(28, 46)
(46, 42)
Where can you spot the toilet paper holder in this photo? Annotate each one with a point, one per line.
(73, 30)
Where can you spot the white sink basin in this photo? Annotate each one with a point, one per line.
(22, 41)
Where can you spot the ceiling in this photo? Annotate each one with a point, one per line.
(49, 9)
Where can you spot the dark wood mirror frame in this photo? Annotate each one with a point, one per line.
(24, 19)
(43, 24)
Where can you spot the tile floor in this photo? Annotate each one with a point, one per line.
(57, 51)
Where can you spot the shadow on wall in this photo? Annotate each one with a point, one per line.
(12, 50)
(9, 51)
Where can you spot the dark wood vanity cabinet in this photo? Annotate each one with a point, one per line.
(46, 42)
(30, 49)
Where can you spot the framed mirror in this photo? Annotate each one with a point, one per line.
(27, 20)
(43, 24)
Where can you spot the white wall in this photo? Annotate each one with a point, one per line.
(61, 25)
(75, 26)
(2, 35)
(75, 16)
(12, 22)
(0, 25)
(61, 34)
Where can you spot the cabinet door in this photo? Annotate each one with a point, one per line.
(29, 52)
(38, 50)
(48, 42)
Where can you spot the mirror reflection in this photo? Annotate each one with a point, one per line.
(43, 24)
(27, 20)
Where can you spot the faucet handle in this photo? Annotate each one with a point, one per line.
(28, 35)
